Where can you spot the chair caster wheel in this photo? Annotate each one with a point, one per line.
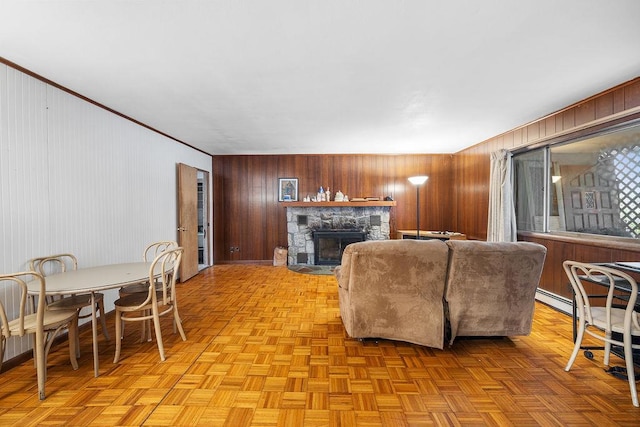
(588, 354)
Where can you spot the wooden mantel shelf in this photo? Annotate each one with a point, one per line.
(335, 204)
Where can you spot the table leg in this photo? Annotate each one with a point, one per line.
(94, 330)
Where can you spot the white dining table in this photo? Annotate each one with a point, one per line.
(92, 280)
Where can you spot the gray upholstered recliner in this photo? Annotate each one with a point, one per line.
(491, 287)
(393, 289)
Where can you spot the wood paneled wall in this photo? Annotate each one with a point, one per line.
(559, 249)
(247, 214)
(471, 178)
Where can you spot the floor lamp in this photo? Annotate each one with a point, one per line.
(418, 181)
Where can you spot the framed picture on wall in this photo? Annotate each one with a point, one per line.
(288, 189)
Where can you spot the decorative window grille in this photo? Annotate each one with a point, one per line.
(627, 172)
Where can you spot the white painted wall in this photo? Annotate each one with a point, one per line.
(77, 178)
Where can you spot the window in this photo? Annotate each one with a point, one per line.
(591, 185)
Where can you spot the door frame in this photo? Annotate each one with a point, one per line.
(187, 218)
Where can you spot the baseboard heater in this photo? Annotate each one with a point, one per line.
(558, 302)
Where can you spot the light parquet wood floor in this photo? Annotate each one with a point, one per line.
(266, 347)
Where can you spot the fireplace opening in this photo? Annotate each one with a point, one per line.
(329, 245)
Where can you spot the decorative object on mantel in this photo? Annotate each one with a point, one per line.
(339, 196)
(287, 189)
(322, 195)
(343, 204)
(418, 181)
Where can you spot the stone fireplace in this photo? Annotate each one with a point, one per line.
(370, 220)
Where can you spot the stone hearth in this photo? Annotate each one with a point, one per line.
(303, 220)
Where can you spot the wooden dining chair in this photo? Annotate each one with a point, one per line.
(150, 253)
(60, 263)
(159, 300)
(45, 324)
(609, 316)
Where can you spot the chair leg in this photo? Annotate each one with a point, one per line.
(145, 333)
(177, 322)
(103, 321)
(49, 337)
(41, 365)
(607, 349)
(2, 344)
(156, 325)
(73, 342)
(77, 334)
(48, 341)
(628, 357)
(149, 339)
(118, 339)
(122, 325)
(143, 327)
(576, 347)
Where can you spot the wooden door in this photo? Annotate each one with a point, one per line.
(188, 220)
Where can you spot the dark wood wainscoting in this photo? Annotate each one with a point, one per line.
(561, 248)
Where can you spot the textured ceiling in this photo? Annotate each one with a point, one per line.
(327, 76)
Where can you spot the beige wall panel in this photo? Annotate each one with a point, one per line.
(78, 178)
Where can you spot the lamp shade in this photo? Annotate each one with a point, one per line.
(418, 180)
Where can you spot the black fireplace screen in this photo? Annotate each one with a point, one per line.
(329, 245)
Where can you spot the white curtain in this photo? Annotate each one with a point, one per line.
(502, 214)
